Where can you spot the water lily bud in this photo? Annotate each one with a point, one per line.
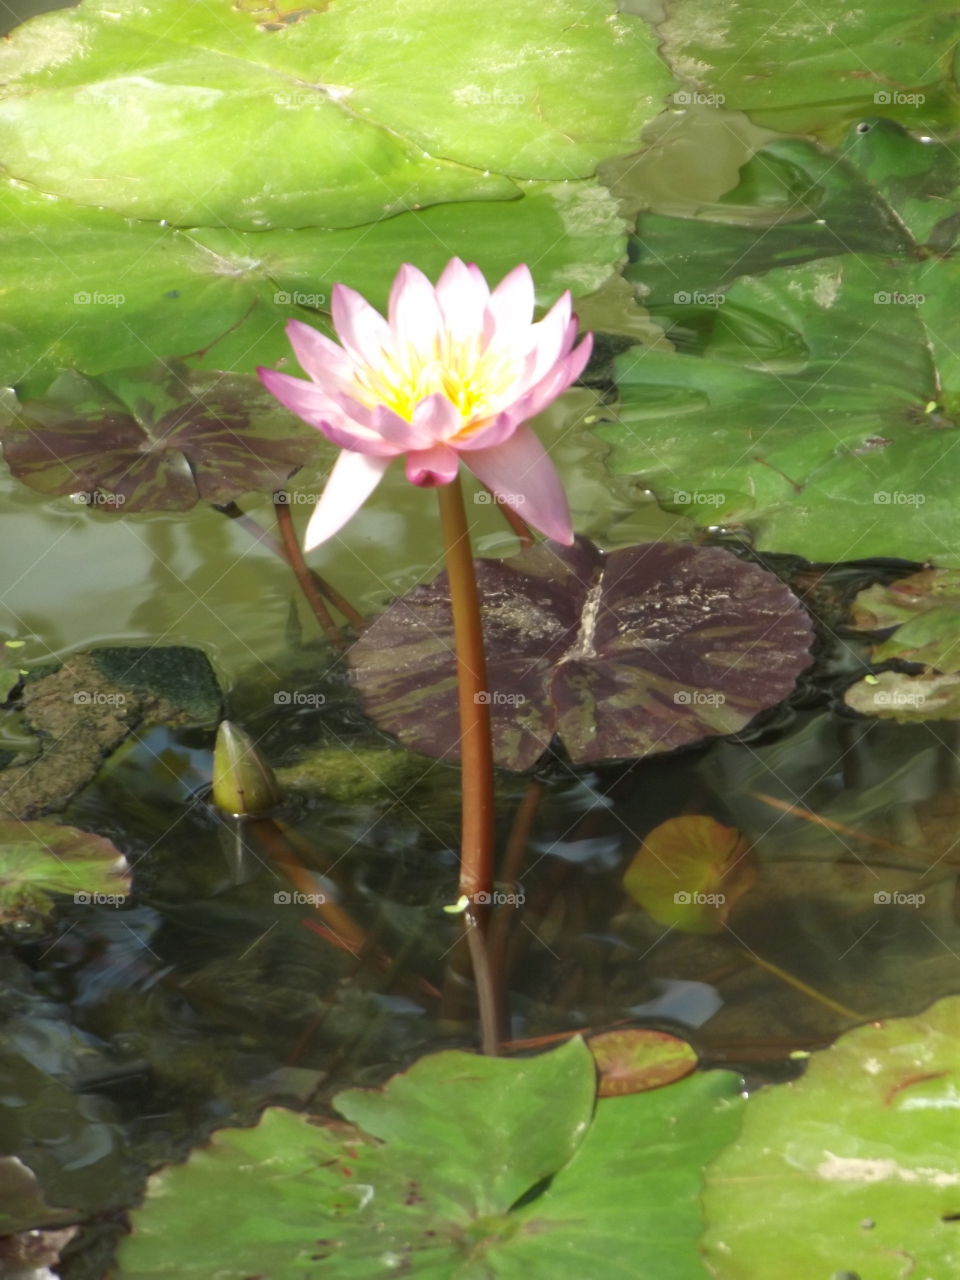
(243, 782)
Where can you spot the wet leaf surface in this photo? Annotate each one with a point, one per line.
(639, 651)
(156, 445)
(442, 1177)
(689, 873)
(925, 610)
(634, 1061)
(893, 695)
(41, 859)
(851, 1170)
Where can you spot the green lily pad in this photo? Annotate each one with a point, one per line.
(41, 859)
(330, 115)
(212, 438)
(689, 873)
(632, 1061)
(800, 68)
(925, 609)
(893, 695)
(92, 290)
(826, 428)
(853, 1170)
(643, 650)
(444, 1177)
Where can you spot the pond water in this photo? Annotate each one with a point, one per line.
(133, 1032)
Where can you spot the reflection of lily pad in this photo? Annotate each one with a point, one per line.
(803, 67)
(642, 650)
(853, 1170)
(219, 438)
(689, 873)
(215, 114)
(632, 1061)
(41, 859)
(840, 448)
(892, 695)
(925, 609)
(445, 1177)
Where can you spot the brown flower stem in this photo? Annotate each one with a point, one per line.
(517, 524)
(476, 750)
(294, 558)
(513, 859)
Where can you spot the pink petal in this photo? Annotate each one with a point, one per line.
(353, 478)
(436, 418)
(463, 294)
(414, 312)
(521, 474)
(430, 467)
(490, 434)
(363, 331)
(318, 356)
(552, 339)
(343, 421)
(561, 376)
(511, 308)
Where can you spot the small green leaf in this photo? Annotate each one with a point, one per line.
(39, 860)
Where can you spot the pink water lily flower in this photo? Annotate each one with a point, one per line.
(453, 373)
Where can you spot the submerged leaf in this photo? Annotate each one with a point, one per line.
(642, 650)
(893, 695)
(925, 609)
(41, 859)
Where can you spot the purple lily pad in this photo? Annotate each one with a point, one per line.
(622, 655)
(157, 445)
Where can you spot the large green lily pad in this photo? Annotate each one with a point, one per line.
(826, 421)
(803, 67)
(41, 859)
(643, 650)
(853, 1170)
(441, 1175)
(89, 289)
(328, 115)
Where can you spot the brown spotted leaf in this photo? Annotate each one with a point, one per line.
(634, 1060)
(160, 443)
(623, 654)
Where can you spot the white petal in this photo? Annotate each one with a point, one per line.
(353, 478)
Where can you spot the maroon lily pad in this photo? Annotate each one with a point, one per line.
(623, 654)
(632, 1061)
(162, 444)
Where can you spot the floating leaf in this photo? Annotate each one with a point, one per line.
(827, 431)
(92, 289)
(925, 609)
(689, 873)
(223, 436)
(802, 68)
(642, 650)
(853, 1170)
(892, 695)
(224, 114)
(445, 1177)
(633, 1061)
(40, 859)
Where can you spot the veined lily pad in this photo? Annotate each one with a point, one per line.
(853, 1170)
(801, 67)
(642, 650)
(633, 1060)
(925, 609)
(41, 859)
(156, 442)
(827, 431)
(329, 115)
(689, 872)
(439, 1175)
